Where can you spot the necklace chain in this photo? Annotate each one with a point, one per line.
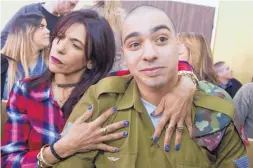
(65, 96)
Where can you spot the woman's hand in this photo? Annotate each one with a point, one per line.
(84, 137)
(176, 109)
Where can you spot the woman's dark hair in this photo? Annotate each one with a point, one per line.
(99, 48)
(25, 20)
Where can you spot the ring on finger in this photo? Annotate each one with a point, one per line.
(180, 128)
(104, 131)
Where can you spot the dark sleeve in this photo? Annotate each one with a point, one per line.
(4, 69)
(6, 28)
(238, 84)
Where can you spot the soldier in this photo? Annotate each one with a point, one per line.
(150, 48)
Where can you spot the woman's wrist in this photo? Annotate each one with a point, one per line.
(186, 85)
(62, 149)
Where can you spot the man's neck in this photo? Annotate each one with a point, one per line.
(155, 95)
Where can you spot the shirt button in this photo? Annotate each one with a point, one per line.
(196, 98)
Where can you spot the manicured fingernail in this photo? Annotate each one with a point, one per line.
(152, 114)
(90, 107)
(167, 148)
(114, 108)
(125, 134)
(126, 123)
(116, 150)
(177, 147)
(155, 139)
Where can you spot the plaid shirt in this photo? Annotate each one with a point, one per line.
(35, 119)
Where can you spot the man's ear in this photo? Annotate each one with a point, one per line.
(179, 44)
(178, 38)
(122, 51)
(181, 48)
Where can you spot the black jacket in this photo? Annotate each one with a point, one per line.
(4, 69)
(236, 85)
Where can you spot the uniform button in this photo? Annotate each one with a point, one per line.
(196, 98)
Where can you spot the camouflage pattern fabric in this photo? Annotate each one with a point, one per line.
(209, 126)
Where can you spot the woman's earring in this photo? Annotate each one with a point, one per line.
(89, 65)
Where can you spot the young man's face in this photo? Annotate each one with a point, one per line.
(150, 48)
(226, 72)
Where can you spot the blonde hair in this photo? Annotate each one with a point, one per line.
(112, 12)
(19, 46)
(200, 55)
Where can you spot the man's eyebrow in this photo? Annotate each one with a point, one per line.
(133, 34)
(159, 27)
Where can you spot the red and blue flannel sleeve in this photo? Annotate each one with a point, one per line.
(14, 151)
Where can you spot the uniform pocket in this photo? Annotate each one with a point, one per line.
(116, 160)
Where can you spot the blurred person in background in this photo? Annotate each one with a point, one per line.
(26, 44)
(225, 78)
(243, 102)
(52, 10)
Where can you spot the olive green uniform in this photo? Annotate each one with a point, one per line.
(138, 149)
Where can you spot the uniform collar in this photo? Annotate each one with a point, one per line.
(131, 98)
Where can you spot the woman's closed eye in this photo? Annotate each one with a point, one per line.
(76, 46)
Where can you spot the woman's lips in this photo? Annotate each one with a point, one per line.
(55, 60)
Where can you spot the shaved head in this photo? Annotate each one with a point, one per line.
(146, 9)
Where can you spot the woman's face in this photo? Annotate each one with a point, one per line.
(67, 53)
(41, 35)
